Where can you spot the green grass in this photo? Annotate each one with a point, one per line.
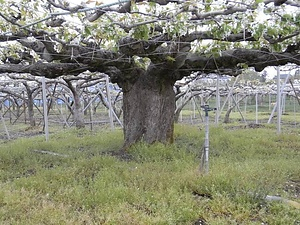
(157, 184)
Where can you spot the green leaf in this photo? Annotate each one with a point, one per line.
(207, 8)
(258, 1)
(272, 31)
(259, 31)
(215, 51)
(170, 59)
(286, 18)
(242, 65)
(277, 47)
(87, 30)
(141, 32)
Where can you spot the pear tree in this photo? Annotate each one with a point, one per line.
(146, 46)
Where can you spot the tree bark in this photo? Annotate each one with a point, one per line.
(227, 118)
(30, 105)
(77, 110)
(231, 107)
(149, 105)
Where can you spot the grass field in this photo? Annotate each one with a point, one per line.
(88, 181)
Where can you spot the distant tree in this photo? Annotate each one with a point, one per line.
(75, 86)
(263, 76)
(297, 74)
(249, 77)
(231, 107)
(31, 90)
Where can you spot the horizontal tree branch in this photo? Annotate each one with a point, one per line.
(49, 70)
(228, 11)
(272, 40)
(236, 59)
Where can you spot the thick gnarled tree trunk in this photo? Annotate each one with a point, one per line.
(30, 104)
(149, 105)
(76, 109)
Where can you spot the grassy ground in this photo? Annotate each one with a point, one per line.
(89, 182)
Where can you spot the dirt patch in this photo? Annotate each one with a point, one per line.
(22, 132)
(120, 154)
(250, 125)
(293, 187)
(254, 125)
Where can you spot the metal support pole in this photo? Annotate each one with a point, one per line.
(194, 107)
(204, 166)
(45, 109)
(245, 106)
(270, 101)
(110, 112)
(295, 112)
(228, 97)
(5, 127)
(279, 93)
(113, 112)
(256, 108)
(283, 101)
(278, 102)
(217, 99)
(180, 114)
(91, 116)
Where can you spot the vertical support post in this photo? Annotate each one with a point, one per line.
(206, 143)
(45, 109)
(110, 110)
(204, 166)
(180, 114)
(194, 108)
(295, 124)
(10, 116)
(24, 105)
(280, 90)
(245, 106)
(270, 101)
(217, 100)
(256, 108)
(61, 112)
(5, 127)
(283, 103)
(278, 100)
(91, 116)
(228, 96)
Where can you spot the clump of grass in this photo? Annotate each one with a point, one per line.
(157, 184)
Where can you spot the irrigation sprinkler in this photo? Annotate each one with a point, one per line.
(204, 166)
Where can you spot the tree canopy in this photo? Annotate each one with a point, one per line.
(57, 37)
